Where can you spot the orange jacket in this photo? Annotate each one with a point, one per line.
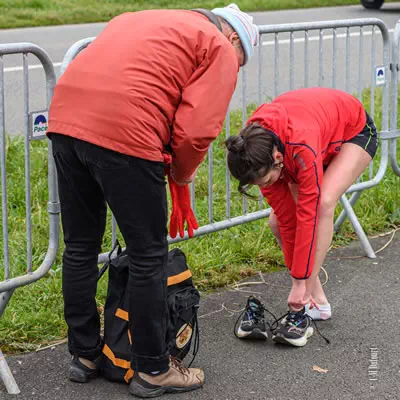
(150, 79)
(312, 124)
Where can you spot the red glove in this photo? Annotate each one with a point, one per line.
(181, 209)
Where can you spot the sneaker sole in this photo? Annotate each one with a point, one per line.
(76, 375)
(138, 390)
(254, 334)
(294, 342)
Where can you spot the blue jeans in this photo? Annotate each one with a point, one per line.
(89, 177)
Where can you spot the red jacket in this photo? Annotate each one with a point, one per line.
(150, 79)
(312, 125)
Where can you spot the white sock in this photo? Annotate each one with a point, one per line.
(324, 312)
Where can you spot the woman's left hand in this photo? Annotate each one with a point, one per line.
(299, 295)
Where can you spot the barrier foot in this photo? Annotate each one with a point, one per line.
(7, 377)
(366, 245)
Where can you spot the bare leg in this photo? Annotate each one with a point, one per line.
(342, 172)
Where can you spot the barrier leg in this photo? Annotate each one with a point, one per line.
(343, 215)
(369, 251)
(7, 377)
(4, 299)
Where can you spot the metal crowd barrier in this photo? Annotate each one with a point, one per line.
(9, 284)
(395, 131)
(276, 58)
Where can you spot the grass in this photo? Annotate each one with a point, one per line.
(34, 315)
(24, 13)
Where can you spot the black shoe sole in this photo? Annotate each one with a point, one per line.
(79, 376)
(136, 389)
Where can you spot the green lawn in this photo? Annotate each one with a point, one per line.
(34, 315)
(23, 13)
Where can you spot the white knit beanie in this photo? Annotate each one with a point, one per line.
(242, 23)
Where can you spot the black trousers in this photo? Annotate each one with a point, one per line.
(89, 177)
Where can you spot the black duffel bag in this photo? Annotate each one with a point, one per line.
(183, 303)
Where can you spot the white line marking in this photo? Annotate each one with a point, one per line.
(316, 38)
(35, 66)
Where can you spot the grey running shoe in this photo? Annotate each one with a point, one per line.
(294, 329)
(252, 322)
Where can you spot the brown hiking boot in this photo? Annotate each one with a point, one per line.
(176, 380)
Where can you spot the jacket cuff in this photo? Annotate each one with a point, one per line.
(300, 279)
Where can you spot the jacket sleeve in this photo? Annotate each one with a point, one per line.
(309, 178)
(201, 113)
(280, 198)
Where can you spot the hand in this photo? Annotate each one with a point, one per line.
(313, 304)
(299, 295)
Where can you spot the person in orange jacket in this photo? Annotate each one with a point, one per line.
(304, 150)
(151, 80)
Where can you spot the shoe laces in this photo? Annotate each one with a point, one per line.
(178, 364)
(294, 318)
(316, 328)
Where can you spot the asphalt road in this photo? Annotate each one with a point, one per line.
(275, 75)
(362, 362)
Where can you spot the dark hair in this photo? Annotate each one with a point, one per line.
(250, 155)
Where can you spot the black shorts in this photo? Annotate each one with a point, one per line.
(367, 138)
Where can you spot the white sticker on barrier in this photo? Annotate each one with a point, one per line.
(39, 124)
(380, 78)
